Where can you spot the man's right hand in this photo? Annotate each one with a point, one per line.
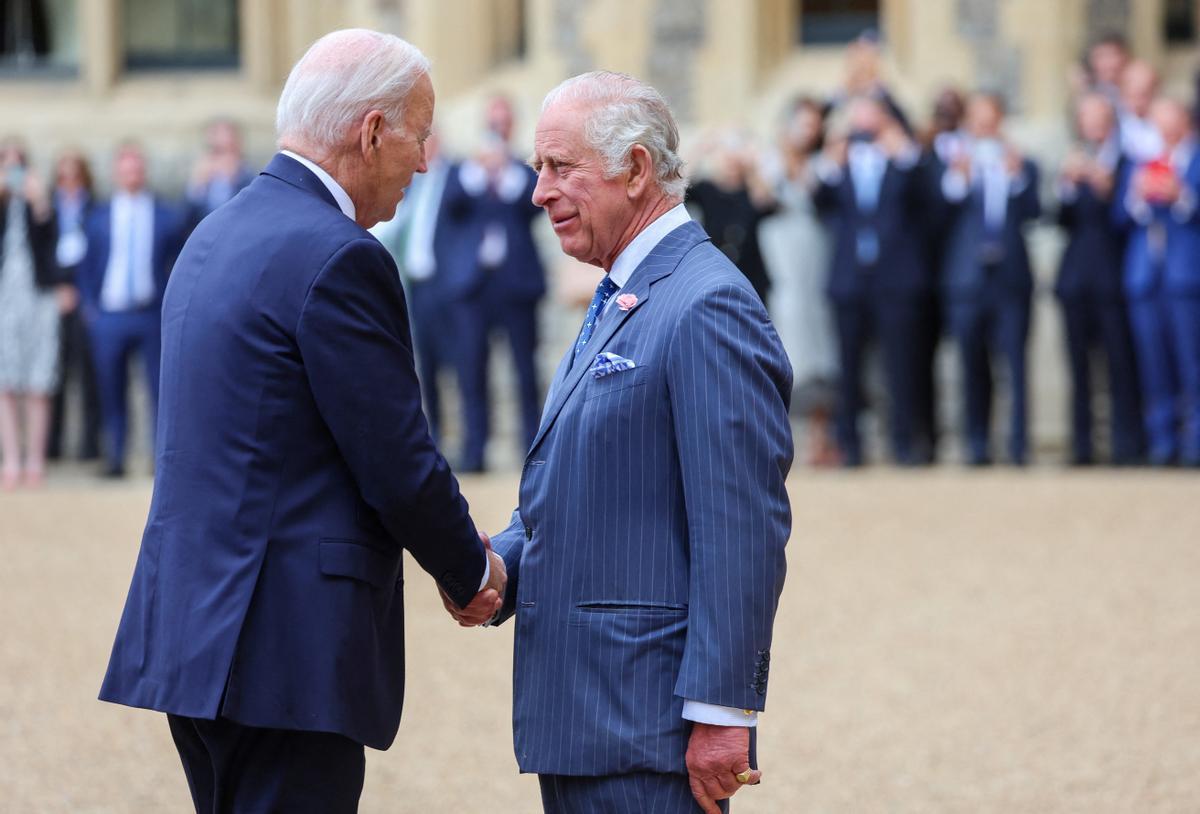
(490, 599)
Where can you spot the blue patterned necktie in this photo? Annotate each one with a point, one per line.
(603, 292)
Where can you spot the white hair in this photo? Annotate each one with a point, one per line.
(342, 77)
(623, 112)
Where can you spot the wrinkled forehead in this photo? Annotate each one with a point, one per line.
(560, 133)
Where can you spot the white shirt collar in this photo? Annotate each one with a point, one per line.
(122, 198)
(335, 189)
(640, 247)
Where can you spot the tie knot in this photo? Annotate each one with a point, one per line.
(605, 290)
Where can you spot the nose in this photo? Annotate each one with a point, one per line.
(423, 163)
(541, 192)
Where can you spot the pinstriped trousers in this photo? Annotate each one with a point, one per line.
(637, 793)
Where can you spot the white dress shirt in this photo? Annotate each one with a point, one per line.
(347, 206)
(335, 189)
(509, 186)
(129, 277)
(622, 269)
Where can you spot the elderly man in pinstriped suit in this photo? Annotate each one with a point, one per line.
(646, 558)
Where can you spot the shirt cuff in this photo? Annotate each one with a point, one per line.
(512, 183)
(703, 713)
(907, 158)
(828, 171)
(1018, 183)
(1138, 209)
(954, 186)
(1068, 192)
(473, 177)
(487, 571)
(1184, 206)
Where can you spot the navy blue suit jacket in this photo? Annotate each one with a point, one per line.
(293, 466)
(169, 227)
(1091, 262)
(899, 221)
(646, 557)
(463, 220)
(1179, 273)
(963, 274)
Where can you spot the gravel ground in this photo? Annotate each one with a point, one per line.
(948, 641)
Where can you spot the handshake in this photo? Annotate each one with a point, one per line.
(487, 603)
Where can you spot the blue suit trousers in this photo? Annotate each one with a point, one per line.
(114, 337)
(636, 793)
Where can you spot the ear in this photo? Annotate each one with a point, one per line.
(641, 172)
(371, 133)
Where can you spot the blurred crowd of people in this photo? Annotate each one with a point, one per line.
(861, 230)
(81, 285)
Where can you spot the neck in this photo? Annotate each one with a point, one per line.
(343, 167)
(651, 211)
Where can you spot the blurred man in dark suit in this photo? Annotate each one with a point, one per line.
(876, 192)
(990, 191)
(219, 173)
(496, 279)
(1089, 284)
(420, 241)
(132, 241)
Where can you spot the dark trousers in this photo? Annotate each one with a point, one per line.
(1092, 323)
(115, 336)
(994, 324)
(76, 355)
(1166, 332)
(637, 793)
(236, 769)
(475, 320)
(894, 324)
(927, 431)
(434, 344)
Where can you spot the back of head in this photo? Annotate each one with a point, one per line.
(622, 112)
(342, 77)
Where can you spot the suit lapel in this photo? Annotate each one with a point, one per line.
(661, 261)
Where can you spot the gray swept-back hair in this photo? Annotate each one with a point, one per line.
(342, 77)
(623, 112)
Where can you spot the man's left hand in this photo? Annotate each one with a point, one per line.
(715, 756)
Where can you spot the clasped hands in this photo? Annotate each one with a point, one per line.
(489, 600)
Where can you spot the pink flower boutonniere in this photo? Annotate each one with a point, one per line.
(626, 301)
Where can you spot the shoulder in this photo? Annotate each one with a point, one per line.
(705, 280)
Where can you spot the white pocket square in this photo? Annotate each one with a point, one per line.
(607, 363)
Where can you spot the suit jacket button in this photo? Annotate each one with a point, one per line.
(529, 532)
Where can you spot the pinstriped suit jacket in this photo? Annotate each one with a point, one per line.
(646, 558)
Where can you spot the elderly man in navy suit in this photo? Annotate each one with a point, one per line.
(646, 557)
(495, 278)
(266, 614)
(132, 241)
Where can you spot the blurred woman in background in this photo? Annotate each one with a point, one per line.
(795, 245)
(73, 199)
(731, 200)
(31, 293)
